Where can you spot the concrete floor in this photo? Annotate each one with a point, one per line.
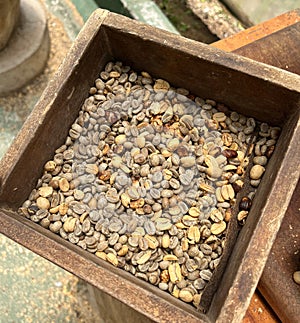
(33, 289)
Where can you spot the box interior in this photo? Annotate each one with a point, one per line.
(184, 63)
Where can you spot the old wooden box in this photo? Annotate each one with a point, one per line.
(266, 93)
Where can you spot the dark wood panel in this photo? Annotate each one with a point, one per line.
(276, 283)
(277, 42)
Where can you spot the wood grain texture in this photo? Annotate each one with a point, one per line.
(276, 42)
(260, 311)
(249, 87)
(276, 283)
(260, 31)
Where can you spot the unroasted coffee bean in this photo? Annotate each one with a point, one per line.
(148, 179)
(296, 277)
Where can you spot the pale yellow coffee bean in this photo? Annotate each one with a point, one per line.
(110, 257)
(64, 185)
(218, 228)
(45, 191)
(43, 203)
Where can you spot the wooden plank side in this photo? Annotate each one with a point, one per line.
(276, 42)
(259, 31)
(260, 311)
(270, 80)
(276, 283)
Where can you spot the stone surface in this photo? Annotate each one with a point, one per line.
(26, 53)
(35, 290)
(256, 11)
(32, 288)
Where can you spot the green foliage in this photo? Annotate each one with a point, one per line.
(167, 7)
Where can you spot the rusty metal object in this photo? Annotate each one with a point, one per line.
(246, 86)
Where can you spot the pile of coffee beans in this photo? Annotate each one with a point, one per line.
(147, 179)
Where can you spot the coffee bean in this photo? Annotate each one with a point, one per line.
(256, 172)
(296, 277)
(245, 204)
(186, 296)
(148, 177)
(205, 274)
(43, 203)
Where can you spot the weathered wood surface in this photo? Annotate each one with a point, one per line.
(276, 283)
(260, 311)
(277, 42)
(216, 16)
(111, 310)
(244, 85)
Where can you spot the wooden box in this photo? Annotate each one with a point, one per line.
(254, 89)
